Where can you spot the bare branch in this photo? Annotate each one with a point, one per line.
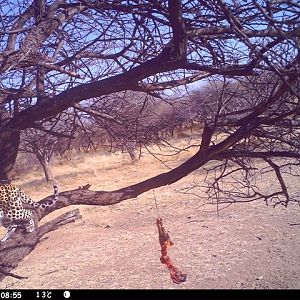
(97, 114)
(280, 179)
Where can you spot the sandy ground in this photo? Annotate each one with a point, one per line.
(251, 246)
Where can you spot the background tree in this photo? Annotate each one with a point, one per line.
(58, 56)
(43, 146)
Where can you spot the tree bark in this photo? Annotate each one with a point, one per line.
(9, 145)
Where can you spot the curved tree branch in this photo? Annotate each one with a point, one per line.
(103, 198)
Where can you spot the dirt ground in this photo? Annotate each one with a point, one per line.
(248, 246)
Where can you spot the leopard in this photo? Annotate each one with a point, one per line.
(17, 209)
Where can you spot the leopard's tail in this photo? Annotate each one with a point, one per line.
(29, 204)
(53, 200)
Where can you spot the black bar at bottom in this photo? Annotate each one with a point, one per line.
(89, 294)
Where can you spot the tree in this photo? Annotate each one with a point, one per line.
(271, 147)
(41, 147)
(58, 56)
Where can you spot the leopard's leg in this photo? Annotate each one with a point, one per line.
(4, 222)
(30, 226)
(18, 219)
(26, 220)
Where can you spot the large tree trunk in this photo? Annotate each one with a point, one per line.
(9, 145)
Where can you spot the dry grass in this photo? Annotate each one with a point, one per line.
(103, 169)
(246, 246)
